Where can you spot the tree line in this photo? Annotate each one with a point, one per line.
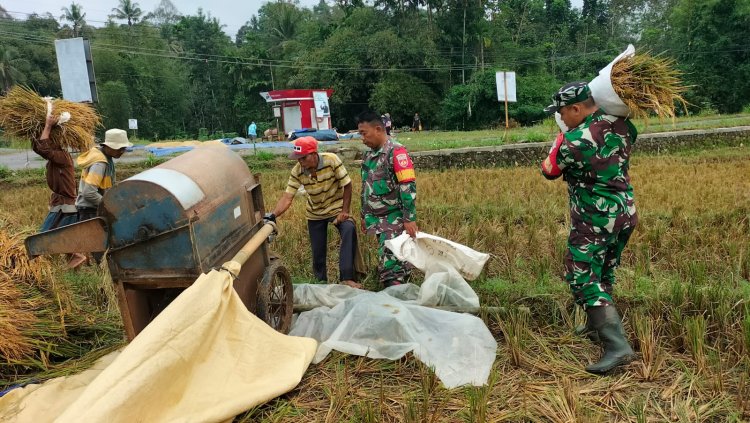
(182, 76)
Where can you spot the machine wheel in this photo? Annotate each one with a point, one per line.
(276, 297)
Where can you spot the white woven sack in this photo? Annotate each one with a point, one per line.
(603, 92)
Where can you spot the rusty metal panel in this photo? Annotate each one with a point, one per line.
(169, 253)
(223, 229)
(138, 211)
(82, 237)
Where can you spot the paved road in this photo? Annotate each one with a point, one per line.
(22, 159)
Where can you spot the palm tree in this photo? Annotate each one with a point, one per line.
(284, 20)
(9, 73)
(73, 15)
(128, 10)
(4, 14)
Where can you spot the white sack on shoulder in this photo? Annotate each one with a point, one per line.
(603, 92)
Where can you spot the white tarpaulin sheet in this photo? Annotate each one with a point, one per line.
(395, 321)
(205, 358)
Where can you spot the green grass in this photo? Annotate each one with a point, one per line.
(546, 131)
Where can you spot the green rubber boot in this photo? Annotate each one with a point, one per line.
(586, 330)
(617, 351)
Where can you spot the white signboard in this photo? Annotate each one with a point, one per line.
(132, 123)
(321, 104)
(266, 96)
(506, 81)
(76, 69)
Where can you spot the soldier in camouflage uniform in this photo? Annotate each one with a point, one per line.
(593, 157)
(389, 195)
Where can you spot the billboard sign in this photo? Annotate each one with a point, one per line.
(76, 70)
(506, 84)
(321, 104)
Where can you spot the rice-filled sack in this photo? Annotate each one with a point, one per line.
(639, 85)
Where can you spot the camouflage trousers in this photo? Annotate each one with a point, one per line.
(590, 264)
(391, 271)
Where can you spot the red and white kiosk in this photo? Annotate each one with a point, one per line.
(299, 109)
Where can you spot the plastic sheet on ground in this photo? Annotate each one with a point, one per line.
(318, 134)
(167, 148)
(205, 358)
(390, 323)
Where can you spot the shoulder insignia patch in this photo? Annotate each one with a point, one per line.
(403, 166)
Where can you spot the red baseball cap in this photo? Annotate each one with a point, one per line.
(304, 146)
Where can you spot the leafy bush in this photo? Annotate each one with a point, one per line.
(402, 95)
(203, 134)
(5, 172)
(533, 93)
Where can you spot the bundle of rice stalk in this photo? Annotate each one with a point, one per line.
(16, 318)
(29, 315)
(23, 113)
(44, 322)
(649, 84)
(15, 263)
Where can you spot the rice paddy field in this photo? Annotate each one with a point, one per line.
(682, 288)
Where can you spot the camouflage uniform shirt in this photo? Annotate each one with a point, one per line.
(594, 159)
(389, 190)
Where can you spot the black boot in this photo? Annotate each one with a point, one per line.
(617, 351)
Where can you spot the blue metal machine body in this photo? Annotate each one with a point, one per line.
(165, 226)
(181, 220)
(169, 224)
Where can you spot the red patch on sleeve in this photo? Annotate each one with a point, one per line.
(549, 166)
(403, 166)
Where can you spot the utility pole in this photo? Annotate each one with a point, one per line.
(463, 50)
(273, 85)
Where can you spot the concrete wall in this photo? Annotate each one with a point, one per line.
(533, 153)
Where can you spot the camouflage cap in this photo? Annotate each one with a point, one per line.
(571, 93)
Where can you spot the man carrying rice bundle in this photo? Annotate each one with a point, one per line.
(61, 180)
(593, 157)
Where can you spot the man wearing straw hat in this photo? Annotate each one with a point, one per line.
(593, 157)
(98, 171)
(61, 179)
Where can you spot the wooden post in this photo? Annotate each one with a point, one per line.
(505, 85)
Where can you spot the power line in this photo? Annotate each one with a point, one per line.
(270, 62)
(296, 64)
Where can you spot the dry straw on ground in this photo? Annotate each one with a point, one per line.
(682, 287)
(23, 113)
(649, 84)
(18, 278)
(44, 320)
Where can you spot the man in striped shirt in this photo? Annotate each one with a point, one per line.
(329, 194)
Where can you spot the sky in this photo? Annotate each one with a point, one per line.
(232, 14)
